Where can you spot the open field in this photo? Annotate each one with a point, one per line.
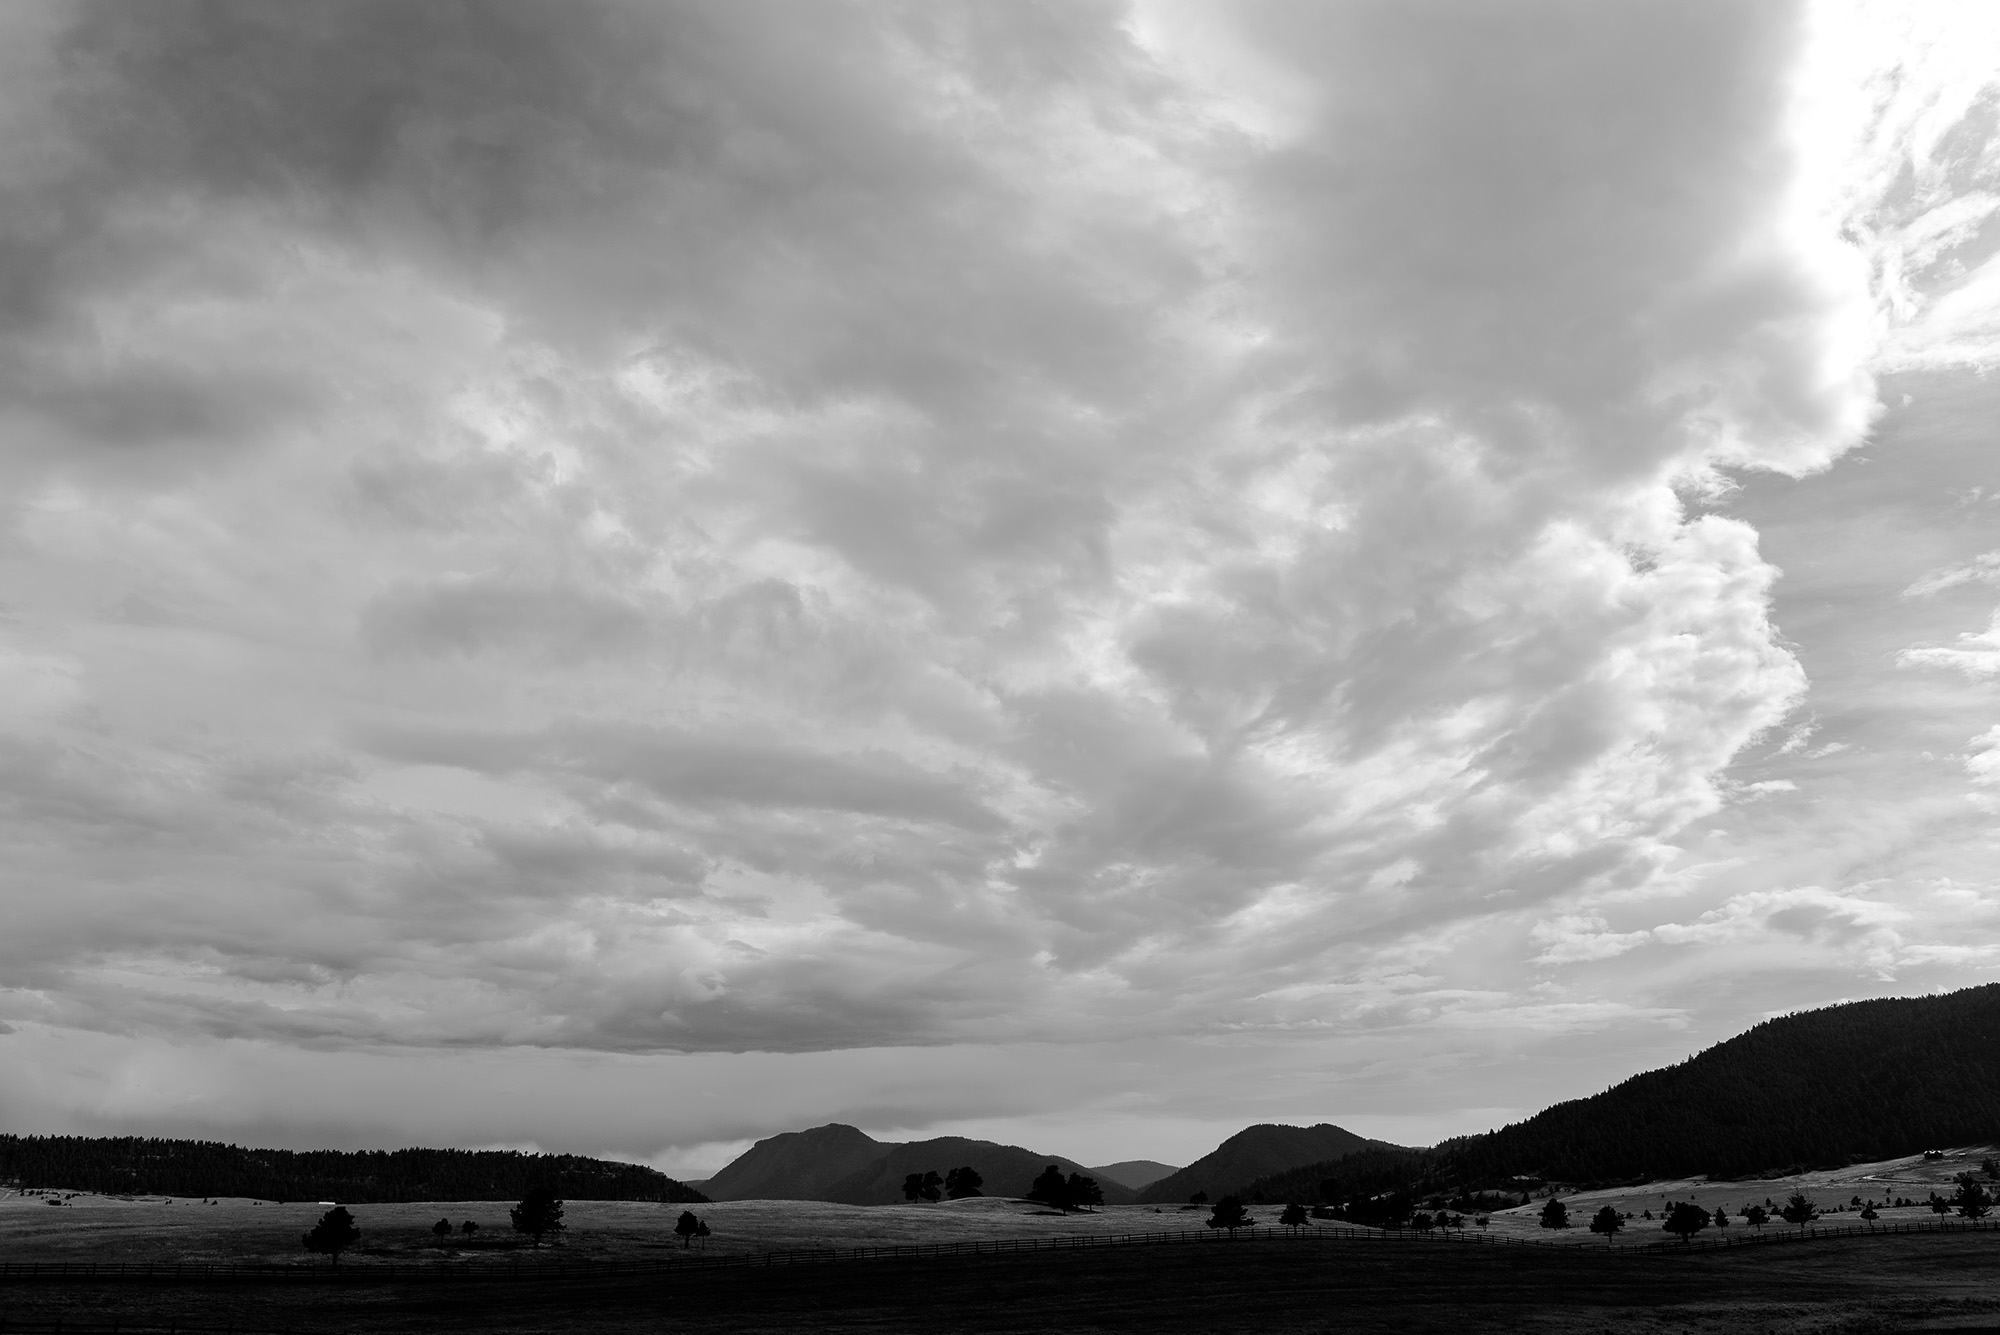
(1912, 1176)
(162, 1231)
(1864, 1284)
(152, 1230)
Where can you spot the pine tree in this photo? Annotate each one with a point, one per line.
(538, 1213)
(1972, 1200)
(335, 1232)
(1050, 1188)
(1231, 1214)
(1798, 1210)
(1686, 1219)
(1555, 1214)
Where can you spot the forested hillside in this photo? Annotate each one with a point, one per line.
(140, 1166)
(1864, 1080)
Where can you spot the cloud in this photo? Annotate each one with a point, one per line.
(690, 529)
(1982, 569)
(1977, 654)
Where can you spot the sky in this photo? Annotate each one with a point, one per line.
(623, 578)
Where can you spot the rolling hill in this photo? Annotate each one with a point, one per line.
(1252, 1153)
(797, 1166)
(1864, 1080)
(1008, 1170)
(1860, 1081)
(1137, 1174)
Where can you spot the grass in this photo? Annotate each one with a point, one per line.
(1855, 1285)
(102, 1228)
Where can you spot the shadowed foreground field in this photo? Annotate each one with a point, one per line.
(1846, 1284)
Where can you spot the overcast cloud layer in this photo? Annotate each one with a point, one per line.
(947, 565)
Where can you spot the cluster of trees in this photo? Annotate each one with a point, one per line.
(958, 1184)
(136, 1165)
(1076, 1192)
(539, 1215)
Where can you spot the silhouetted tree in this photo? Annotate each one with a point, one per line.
(1482, 1221)
(441, 1230)
(1199, 1198)
(1607, 1221)
(686, 1227)
(333, 1234)
(701, 1231)
(1939, 1205)
(916, 1185)
(1555, 1214)
(1756, 1216)
(962, 1182)
(1294, 1217)
(1082, 1192)
(1868, 1215)
(1231, 1214)
(1685, 1219)
(539, 1212)
(468, 1228)
(1051, 1188)
(1972, 1200)
(1721, 1217)
(1798, 1210)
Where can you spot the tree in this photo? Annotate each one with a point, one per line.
(701, 1231)
(1721, 1217)
(1050, 1188)
(1868, 1215)
(1483, 1220)
(1607, 1221)
(1083, 1192)
(686, 1227)
(441, 1230)
(1422, 1221)
(335, 1232)
(1973, 1202)
(1231, 1214)
(1756, 1216)
(1555, 1214)
(913, 1188)
(1199, 1198)
(1939, 1205)
(468, 1228)
(1686, 1219)
(962, 1182)
(539, 1212)
(1798, 1210)
(1293, 1218)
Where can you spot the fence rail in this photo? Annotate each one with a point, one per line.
(587, 1268)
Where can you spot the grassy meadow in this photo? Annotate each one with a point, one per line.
(164, 1230)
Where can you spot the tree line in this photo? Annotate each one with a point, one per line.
(131, 1165)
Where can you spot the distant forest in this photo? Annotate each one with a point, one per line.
(130, 1165)
(1825, 1088)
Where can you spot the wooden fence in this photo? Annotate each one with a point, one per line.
(583, 1268)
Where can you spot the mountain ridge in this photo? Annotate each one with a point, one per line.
(1255, 1152)
(1852, 1082)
